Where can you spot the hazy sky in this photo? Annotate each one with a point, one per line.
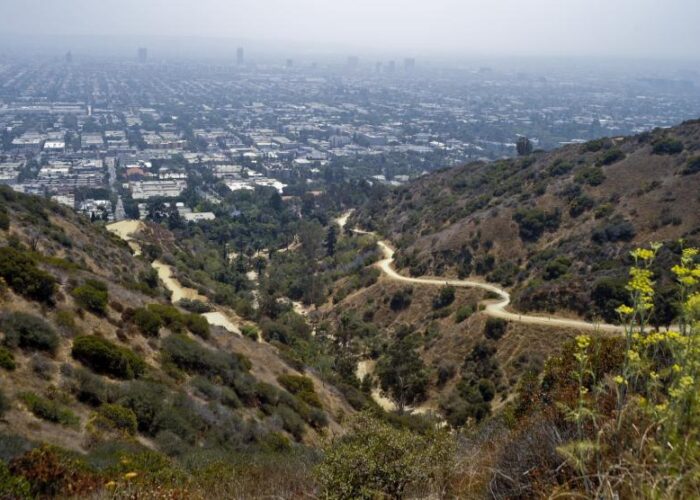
(654, 28)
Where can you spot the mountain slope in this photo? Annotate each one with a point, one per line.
(92, 352)
(553, 226)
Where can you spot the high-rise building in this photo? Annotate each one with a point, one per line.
(69, 57)
(240, 56)
(142, 54)
(290, 63)
(409, 64)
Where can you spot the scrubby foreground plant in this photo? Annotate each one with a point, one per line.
(636, 415)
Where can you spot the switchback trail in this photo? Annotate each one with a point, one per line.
(495, 308)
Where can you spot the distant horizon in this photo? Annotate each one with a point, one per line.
(626, 29)
(200, 47)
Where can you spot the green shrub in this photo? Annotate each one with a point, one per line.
(302, 387)
(667, 146)
(49, 410)
(495, 328)
(250, 331)
(188, 355)
(7, 359)
(463, 313)
(65, 320)
(13, 487)
(692, 167)
(609, 157)
(119, 417)
(20, 272)
(596, 145)
(533, 222)
(102, 356)
(593, 176)
(146, 400)
(171, 317)
(401, 299)
(198, 325)
(291, 421)
(556, 268)
(28, 332)
(377, 460)
(93, 296)
(194, 306)
(92, 389)
(444, 298)
(147, 321)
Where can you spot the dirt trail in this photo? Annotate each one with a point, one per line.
(495, 308)
(125, 230)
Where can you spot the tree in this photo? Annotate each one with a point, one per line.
(523, 146)
(402, 373)
(376, 460)
(331, 240)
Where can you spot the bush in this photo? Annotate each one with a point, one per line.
(556, 268)
(302, 387)
(291, 421)
(28, 332)
(444, 298)
(609, 157)
(93, 296)
(401, 299)
(495, 328)
(593, 176)
(667, 146)
(188, 355)
(92, 389)
(580, 204)
(147, 321)
(146, 400)
(198, 325)
(119, 417)
(377, 460)
(21, 274)
(104, 357)
(7, 359)
(533, 222)
(194, 306)
(49, 410)
(463, 313)
(619, 230)
(13, 487)
(171, 317)
(692, 167)
(250, 331)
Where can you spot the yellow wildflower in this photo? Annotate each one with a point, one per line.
(130, 475)
(619, 380)
(676, 368)
(624, 310)
(642, 254)
(633, 356)
(583, 341)
(111, 485)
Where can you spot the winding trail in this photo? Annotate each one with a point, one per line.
(125, 230)
(494, 308)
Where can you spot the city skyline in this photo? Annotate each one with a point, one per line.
(625, 28)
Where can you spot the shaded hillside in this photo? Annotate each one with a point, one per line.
(94, 358)
(555, 226)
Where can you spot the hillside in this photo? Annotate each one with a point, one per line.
(97, 361)
(555, 227)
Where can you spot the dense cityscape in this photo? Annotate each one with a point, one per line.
(107, 136)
